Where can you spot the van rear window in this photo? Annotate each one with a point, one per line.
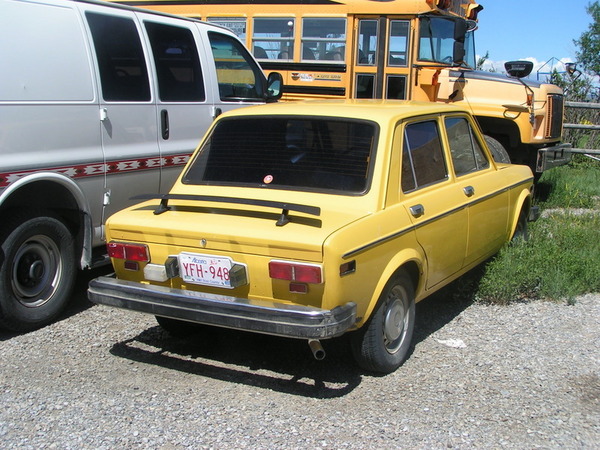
(281, 152)
(123, 70)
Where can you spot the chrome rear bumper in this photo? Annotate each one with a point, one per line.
(273, 318)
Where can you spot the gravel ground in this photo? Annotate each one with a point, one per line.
(520, 376)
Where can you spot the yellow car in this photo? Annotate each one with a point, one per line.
(311, 220)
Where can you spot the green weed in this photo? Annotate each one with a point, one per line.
(561, 260)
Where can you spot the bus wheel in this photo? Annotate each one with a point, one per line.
(499, 153)
(383, 342)
(37, 276)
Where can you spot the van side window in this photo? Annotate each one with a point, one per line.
(238, 74)
(123, 70)
(467, 155)
(177, 63)
(423, 160)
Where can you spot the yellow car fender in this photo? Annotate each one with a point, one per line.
(405, 258)
(524, 201)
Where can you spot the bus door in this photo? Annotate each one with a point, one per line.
(381, 65)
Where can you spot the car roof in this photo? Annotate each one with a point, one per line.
(377, 110)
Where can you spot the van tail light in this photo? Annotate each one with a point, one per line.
(127, 251)
(300, 273)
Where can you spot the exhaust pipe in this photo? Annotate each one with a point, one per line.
(316, 349)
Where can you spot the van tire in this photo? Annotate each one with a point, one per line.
(38, 273)
(382, 344)
(499, 153)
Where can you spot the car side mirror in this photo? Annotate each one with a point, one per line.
(518, 69)
(274, 87)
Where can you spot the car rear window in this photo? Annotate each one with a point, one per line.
(304, 153)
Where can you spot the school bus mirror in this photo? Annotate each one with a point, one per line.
(518, 69)
(458, 53)
(274, 87)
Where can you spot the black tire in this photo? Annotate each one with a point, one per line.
(179, 328)
(499, 153)
(37, 276)
(522, 231)
(383, 343)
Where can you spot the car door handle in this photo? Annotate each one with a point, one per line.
(417, 210)
(164, 124)
(469, 191)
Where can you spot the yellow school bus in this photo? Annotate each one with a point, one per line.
(393, 49)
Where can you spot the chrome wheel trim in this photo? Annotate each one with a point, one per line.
(395, 320)
(36, 269)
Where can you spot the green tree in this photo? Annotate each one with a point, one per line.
(589, 42)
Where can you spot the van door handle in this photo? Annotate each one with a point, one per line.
(469, 191)
(164, 124)
(417, 210)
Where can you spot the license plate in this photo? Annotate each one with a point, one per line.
(205, 269)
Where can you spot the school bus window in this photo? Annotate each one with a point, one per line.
(396, 87)
(323, 39)
(275, 36)
(398, 42)
(436, 39)
(236, 24)
(367, 43)
(365, 84)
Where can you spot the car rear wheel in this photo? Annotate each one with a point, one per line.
(383, 343)
(37, 276)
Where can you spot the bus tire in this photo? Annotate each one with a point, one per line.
(382, 344)
(39, 271)
(499, 153)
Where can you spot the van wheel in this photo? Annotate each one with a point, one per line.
(383, 343)
(499, 153)
(37, 276)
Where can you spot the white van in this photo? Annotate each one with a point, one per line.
(98, 103)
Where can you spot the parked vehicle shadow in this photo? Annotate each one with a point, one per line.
(279, 364)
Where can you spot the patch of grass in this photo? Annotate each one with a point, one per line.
(576, 185)
(561, 260)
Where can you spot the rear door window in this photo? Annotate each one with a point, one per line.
(177, 64)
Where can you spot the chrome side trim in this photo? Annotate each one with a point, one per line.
(402, 232)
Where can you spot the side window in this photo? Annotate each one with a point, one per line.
(398, 42)
(367, 43)
(239, 76)
(422, 157)
(467, 155)
(177, 63)
(396, 87)
(324, 39)
(123, 71)
(236, 24)
(274, 37)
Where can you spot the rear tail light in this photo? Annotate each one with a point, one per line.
(300, 273)
(129, 252)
